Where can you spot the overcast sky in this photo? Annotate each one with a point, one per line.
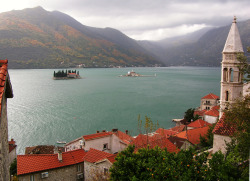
(144, 19)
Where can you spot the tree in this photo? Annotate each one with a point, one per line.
(238, 115)
(207, 140)
(159, 164)
(244, 67)
(13, 167)
(189, 115)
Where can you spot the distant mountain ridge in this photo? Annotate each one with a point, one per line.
(36, 38)
(201, 48)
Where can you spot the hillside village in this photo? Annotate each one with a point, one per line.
(93, 155)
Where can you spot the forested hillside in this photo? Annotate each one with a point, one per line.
(36, 38)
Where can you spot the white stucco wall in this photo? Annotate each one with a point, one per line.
(210, 119)
(98, 143)
(220, 143)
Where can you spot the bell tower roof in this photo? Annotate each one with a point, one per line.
(233, 43)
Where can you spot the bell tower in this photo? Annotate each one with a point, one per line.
(231, 77)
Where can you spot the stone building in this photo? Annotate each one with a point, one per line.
(209, 101)
(5, 92)
(231, 86)
(62, 166)
(231, 77)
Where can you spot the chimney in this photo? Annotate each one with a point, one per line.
(114, 130)
(59, 155)
(97, 131)
(126, 131)
(55, 150)
(103, 131)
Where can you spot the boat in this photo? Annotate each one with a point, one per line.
(61, 142)
(68, 74)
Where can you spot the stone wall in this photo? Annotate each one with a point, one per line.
(95, 171)
(220, 143)
(68, 173)
(4, 144)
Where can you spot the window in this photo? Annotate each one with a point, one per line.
(105, 146)
(79, 168)
(227, 95)
(106, 171)
(32, 178)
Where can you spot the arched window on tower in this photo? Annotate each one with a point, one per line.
(227, 96)
(231, 75)
(225, 79)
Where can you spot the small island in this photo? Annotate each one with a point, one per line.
(71, 74)
(134, 74)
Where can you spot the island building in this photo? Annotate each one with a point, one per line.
(231, 86)
(5, 92)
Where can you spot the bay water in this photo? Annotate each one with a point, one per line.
(44, 111)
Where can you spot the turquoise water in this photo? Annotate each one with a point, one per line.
(44, 110)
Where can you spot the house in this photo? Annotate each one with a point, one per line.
(165, 132)
(222, 135)
(12, 150)
(111, 142)
(97, 164)
(61, 166)
(199, 123)
(146, 141)
(209, 101)
(181, 143)
(193, 135)
(212, 116)
(5, 92)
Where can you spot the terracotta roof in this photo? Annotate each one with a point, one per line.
(212, 112)
(166, 132)
(4, 87)
(96, 135)
(12, 142)
(199, 123)
(178, 128)
(11, 147)
(123, 136)
(200, 113)
(41, 149)
(211, 96)
(222, 128)
(193, 135)
(35, 163)
(177, 141)
(142, 141)
(94, 155)
(112, 158)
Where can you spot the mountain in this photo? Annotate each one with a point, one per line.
(201, 48)
(36, 38)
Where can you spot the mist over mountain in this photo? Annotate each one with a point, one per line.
(36, 38)
(201, 48)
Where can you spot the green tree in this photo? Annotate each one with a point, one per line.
(189, 115)
(244, 66)
(238, 116)
(207, 140)
(13, 168)
(159, 164)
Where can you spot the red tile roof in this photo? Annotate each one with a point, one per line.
(221, 128)
(142, 141)
(200, 113)
(94, 155)
(199, 123)
(4, 87)
(211, 96)
(11, 147)
(177, 141)
(112, 158)
(193, 135)
(34, 163)
(178, 128)
(123, 136)
(212, 112)
(96, 135)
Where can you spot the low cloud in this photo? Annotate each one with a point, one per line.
(147, 19)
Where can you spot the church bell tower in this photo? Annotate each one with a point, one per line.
(231, 77)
